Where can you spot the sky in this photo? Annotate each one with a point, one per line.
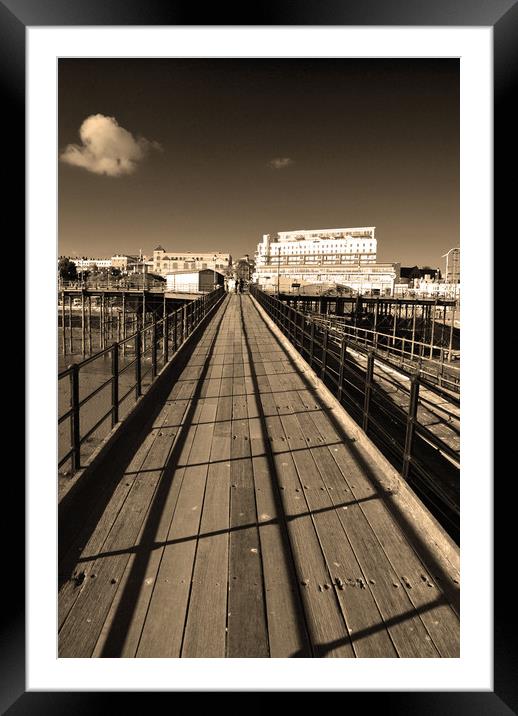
(210, 154)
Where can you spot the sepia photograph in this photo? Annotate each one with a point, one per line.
(258, 315)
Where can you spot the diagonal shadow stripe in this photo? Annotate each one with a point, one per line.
(124, 613)
(134, 549)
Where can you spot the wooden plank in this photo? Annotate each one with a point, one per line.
(384, 536)
(324, 619)
(365, 624)
(205, 631)
(82, 627)
(287, 632)
(120, 636)
(436, 616)
(247, 629)
(358, 606)
(423, 606)
(85, 556)
(162, 632)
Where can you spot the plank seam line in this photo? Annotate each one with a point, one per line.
(199, 383)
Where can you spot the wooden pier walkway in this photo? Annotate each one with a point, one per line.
(249, 524)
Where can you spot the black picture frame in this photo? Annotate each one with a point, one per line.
(15, 17)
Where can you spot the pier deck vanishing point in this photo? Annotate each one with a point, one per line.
(250, 522)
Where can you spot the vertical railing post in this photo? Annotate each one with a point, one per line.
(165, 332)
(343, 350)
(413, 331)
(311, 344)
(175, 331)
(441, 366)
(102, 320)
(450, 343)
(368, 389)
(83, 324)
(63, 324)
(124, 322)
(138, 366)
(324, 354)
(153, 346)
(115, 384)
(143, 314)
(184, 322)
(410, 426)
(432, 335)
(75, 426)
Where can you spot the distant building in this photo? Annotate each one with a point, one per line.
(452, 273)
(425, 282)
(193, 281)
(345, 256)
(123, 262)
(168, 262)
(86, 264)
(415, 274)
(428, 289)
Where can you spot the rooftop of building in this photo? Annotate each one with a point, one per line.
(342, 230)
(190, 271)
(192, 253)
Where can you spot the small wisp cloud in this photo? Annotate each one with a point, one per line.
(280, 162)
(107, 148)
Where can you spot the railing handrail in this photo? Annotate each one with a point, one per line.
(336, 322)
(182, 320)
(365, 398)
(381, 358)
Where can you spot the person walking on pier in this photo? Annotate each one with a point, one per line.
(241, 285)
(231, 284)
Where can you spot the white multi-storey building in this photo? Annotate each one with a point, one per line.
(88, 264)
(346, 257)
(171, 261)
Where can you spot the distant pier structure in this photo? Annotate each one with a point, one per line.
(427, 322)
(91, 319)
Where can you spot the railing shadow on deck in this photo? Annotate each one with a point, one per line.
(124, 612)
(321, 650)
(116, 637)
(122, 618)
(81, 508)
(150, 546)
(428, 556)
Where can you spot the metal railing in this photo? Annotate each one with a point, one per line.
(112, 285)
(413, 423)
(433, 362)
(144, 354)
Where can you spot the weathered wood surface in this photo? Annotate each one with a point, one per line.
(247, 524)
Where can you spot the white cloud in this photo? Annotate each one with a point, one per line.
(107, 148)
(280, 162)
